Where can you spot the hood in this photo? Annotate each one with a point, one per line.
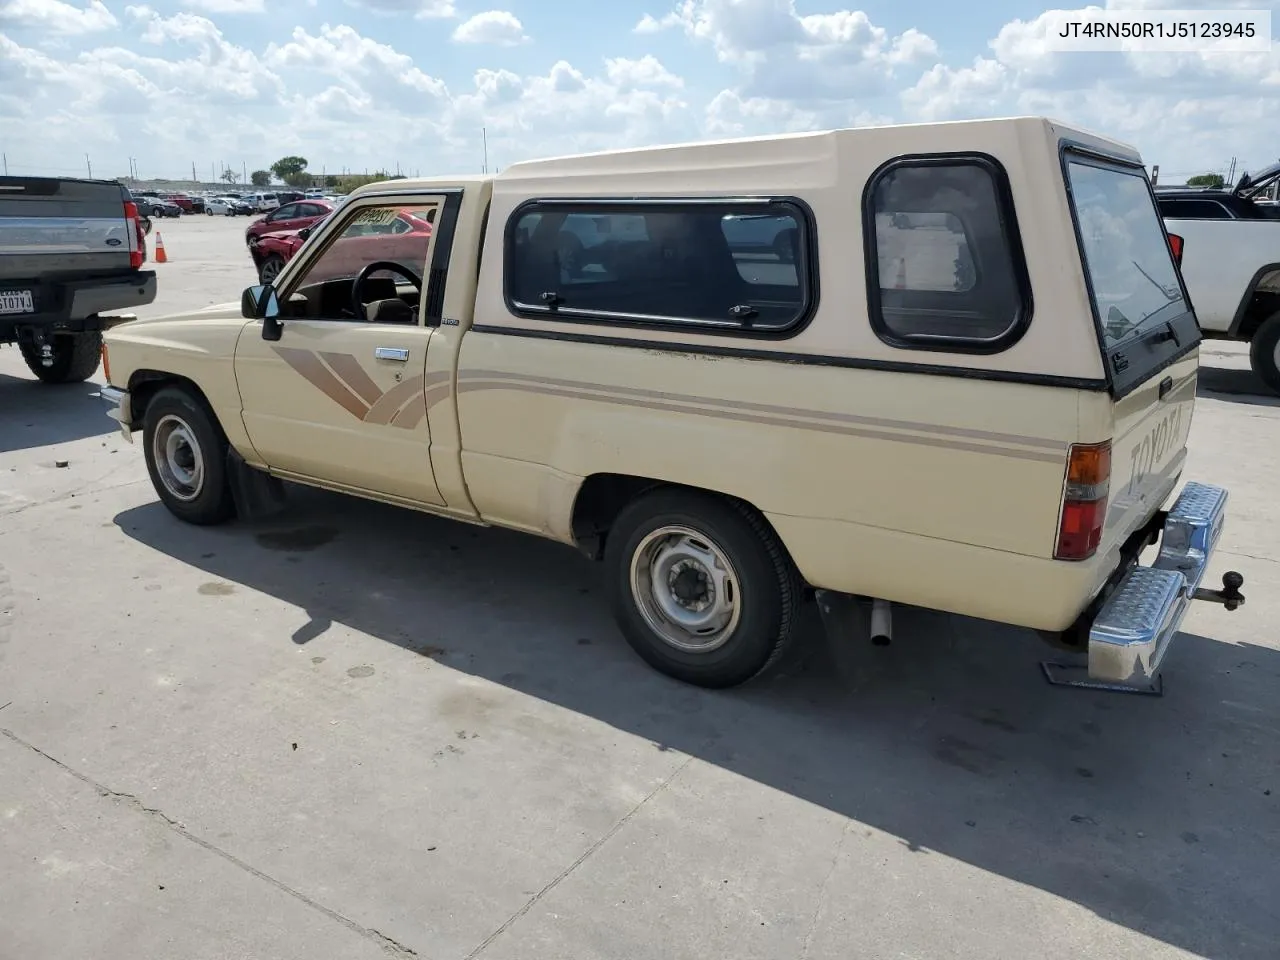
(1252, 183)
(231, 309)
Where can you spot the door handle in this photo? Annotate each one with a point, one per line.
(391, 353)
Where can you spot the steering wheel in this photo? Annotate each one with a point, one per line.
(357, 286)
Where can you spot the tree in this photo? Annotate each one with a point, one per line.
(292, 170)
(1213, 180)
(260, 178)
(229, 175)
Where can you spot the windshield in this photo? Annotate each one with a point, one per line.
(1134, 280)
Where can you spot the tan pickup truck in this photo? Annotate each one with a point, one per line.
(949, 365)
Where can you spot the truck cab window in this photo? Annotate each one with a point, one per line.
(338, 283)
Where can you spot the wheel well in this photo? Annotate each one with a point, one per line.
(603, 496)
(145, 384)
(1260, 305)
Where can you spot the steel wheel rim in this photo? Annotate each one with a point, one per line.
(270, 270)
(685, 588)
(1275, 356)
(179, 459)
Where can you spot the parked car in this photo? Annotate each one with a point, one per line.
(74, 252)
(289, 196)
(733, 444)
(221, 206)
(1230, 250)
(290, 216)
(386, 239)
(181, 200)
(164, 208)
(262, 202)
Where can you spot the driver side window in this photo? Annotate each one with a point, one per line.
(352, 278)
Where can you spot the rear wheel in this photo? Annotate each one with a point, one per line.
(186, 456)
(73, 357)
(700, 587)
(1264, 352)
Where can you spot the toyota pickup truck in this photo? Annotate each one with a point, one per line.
(1230, 249)
(71, 254)
(828, 366)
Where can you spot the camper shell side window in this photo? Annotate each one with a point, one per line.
(944, 259)
(744, 266)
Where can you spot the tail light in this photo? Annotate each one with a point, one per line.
(1175, 246)
(1084, 501)
(137, 238)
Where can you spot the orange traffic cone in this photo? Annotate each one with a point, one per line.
(161, 257)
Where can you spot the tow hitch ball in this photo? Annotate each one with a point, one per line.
(1229, 596)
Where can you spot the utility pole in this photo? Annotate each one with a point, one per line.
(1231, 173)
(6, 163)
(89, 165)
(244, 172)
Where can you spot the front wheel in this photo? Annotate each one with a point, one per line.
(186, 456)
(701, 588)
(1264, 352)
(73, 357)
(270, 269)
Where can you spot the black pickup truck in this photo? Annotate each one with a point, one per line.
(71, 252)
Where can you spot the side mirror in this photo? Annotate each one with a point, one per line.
(304, 233)
(259, 302)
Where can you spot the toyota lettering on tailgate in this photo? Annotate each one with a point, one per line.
(1155, 446)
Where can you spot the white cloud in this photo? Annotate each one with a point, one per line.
(811, 60)
(381, 90)
(422, 9)
(58, 17)
(227, 6)
(496, 27)
(645, 72)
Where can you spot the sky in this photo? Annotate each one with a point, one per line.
(410, 85)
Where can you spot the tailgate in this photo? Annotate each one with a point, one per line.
(1147, 333)
(52, 229)
(1149, 445)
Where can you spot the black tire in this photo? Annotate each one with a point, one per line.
(205, 501)
(766, 588)
(75, 357)
(1264, 352)
(270, 268)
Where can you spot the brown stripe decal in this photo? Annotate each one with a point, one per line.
(468, 384)
(309, 366)
(703, 405)
(389, 403)
(348, 368)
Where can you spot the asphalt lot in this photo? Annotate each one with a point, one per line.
(355, 732)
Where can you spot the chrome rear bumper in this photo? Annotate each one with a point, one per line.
(1132, 631)
(117, 402)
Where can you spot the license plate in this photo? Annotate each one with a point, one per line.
(17, 301)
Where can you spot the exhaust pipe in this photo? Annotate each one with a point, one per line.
(881, 623)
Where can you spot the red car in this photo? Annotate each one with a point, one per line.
(405, 239)
(181, 199)
(288, 216)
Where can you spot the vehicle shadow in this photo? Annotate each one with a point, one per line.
(1154, 813)
(1235, 384)
(40, 415)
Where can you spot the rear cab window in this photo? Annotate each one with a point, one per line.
(1144, 319)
